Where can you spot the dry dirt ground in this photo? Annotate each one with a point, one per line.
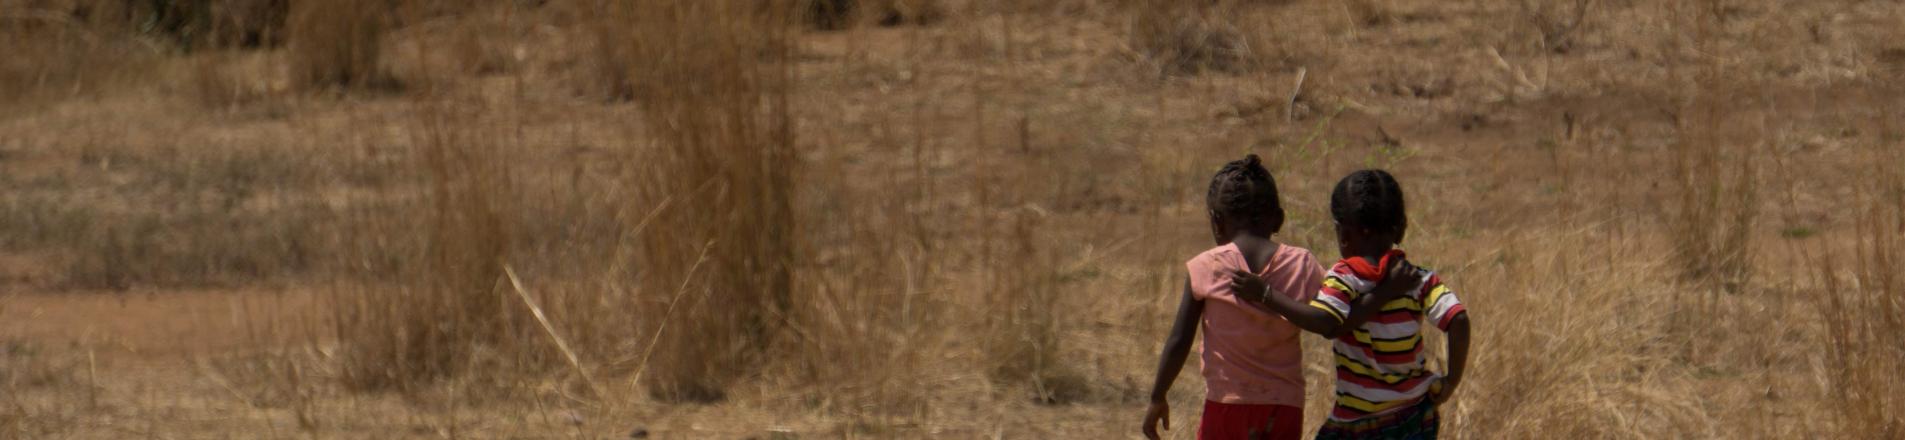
(1547, 169)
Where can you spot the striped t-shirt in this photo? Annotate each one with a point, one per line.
(1379, 365)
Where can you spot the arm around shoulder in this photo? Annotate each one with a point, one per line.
(1309, 318)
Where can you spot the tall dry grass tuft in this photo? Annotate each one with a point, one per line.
(1176, 37)
(1557, 23)
(56, 53)
(337, 43)
(27, 367)
(1863, 306)
(1716, 207)
(1715, 203)
(869, 293)
(450, 305)
(842, 14)
(1565, 345)
(720, 174)
(1370, 12)
(1023, 336)
(194, 24)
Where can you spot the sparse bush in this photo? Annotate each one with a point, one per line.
(28, 367)
(217, 87)
(853, 305)
(1179, 37)
(898, 12)
(1556, 22)
(210, 23)
(1370, 12)
(449, 304)
(1863, 297)
(1022, 343)
(51, 54)
(723, 169)
(841, 14)
(187, 220)
(195, 246)
(1716, 204)
(338, 43)
(830, 14)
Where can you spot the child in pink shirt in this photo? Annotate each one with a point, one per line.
(1251, 358)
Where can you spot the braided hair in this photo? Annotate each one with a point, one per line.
(1368, 199)
(1243, 190)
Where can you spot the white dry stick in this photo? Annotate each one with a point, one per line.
(92, 378)
(1289, 109)
(551, 330)
(652, 341)
(1513, 72)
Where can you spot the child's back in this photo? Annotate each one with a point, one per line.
(1250, 355)
(1379, 366)
(1252, 362)
(1383, 388)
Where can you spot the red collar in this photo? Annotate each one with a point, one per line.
(1362, 269)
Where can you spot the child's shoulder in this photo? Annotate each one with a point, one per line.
(1228, 256)
(1431, 278)
(1294, 252)
(1220, 256)
(1342, 269)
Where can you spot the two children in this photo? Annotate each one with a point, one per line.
(1251, 358)
(1371, 302)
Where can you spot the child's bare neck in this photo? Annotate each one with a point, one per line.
(1249, 240)
(1257, 249)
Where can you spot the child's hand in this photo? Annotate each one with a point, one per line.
(1248, 286)
(1442, 390)
(1159, 411)
(1401, 279)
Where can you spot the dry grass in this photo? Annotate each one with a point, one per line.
(742, 227)
(448, 309)
(1024, 334)
(842, 14)
(156, 217)
(1558, 23)
(56, 54)
(1187, 37)
(338, 43)
(720, 178)
(27, 367)
(1860, 303)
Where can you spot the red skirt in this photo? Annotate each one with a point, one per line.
(1228, 421)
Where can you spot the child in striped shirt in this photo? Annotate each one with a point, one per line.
(1383, 389)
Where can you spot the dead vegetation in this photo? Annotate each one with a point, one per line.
(805, 218)
(338, 43)
(1187, 37)
(719, 241)
(843, 14)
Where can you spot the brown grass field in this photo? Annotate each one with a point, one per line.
(777, 219)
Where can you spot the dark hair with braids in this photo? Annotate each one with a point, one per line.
(1368, 199)
(1244, 192)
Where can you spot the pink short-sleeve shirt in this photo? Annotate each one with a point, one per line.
(1250, 355)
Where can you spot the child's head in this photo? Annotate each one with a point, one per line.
(1243, 198)
(1368, 209)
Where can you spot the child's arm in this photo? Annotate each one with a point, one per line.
(1458, 356)
(1251, 288)
(1400, 280)
(1176, 348)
